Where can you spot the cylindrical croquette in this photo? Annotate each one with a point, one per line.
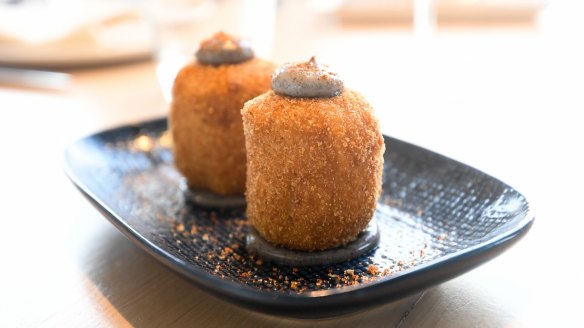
(314, 168)
(205, 122)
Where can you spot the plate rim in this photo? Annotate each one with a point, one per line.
(351, 298)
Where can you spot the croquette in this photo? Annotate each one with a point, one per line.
(206, 125)
(314, 168)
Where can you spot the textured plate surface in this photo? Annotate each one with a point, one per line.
(438, 218)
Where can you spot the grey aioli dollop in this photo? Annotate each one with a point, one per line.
(223, 48)
(306, 80)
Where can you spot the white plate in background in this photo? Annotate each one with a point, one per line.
(70, 34)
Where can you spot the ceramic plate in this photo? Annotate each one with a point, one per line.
(72, 35)
(438, 218)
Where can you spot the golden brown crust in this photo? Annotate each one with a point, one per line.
(205, 122)
(314, 168)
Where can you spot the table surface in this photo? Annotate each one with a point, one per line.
(504, 100)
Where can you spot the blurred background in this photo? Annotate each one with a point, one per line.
(496, 84)
(462, 63)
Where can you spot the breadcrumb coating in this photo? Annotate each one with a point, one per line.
(205, 122)
(314, 168)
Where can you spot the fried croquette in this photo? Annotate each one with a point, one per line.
(205, 122)
(314, 168)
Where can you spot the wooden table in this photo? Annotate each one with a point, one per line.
(505, 101)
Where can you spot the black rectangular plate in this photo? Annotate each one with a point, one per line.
(438, 218)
